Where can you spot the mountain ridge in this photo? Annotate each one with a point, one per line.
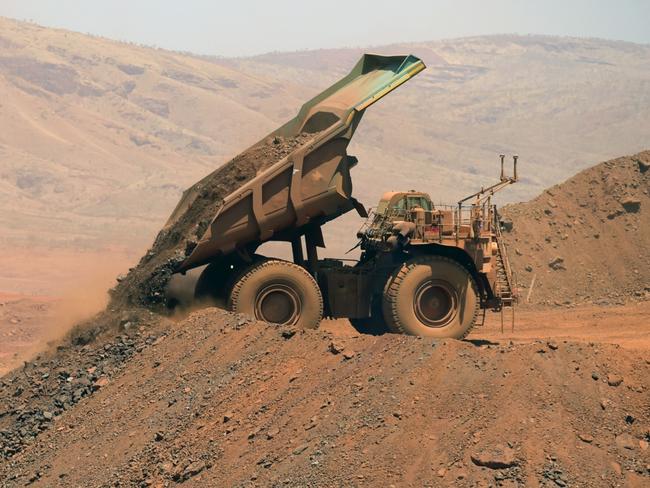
(101, 137)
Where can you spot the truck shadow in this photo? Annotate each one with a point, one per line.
(482, 342)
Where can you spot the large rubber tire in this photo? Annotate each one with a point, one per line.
(431, 296)
(217, 279)
(279, 292)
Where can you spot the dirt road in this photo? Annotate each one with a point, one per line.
(627, 326)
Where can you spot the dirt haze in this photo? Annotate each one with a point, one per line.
(31, 323)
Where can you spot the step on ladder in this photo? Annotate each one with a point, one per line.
(504, 289)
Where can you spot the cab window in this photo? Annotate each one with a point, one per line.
(419, 202)
(381, 208)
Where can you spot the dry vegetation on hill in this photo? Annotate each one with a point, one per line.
(100, 138)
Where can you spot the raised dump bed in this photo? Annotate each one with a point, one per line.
(297, 177)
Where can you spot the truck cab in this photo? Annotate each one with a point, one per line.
(396, 201)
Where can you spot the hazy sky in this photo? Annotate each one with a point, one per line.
(243, 27)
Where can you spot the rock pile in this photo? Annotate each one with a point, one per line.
(587, 239)
(223, 401)
(36, 395)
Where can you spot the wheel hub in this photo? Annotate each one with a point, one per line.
(435, 303)
(278, 304)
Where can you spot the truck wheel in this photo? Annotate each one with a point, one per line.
(278, 292)
(431, 296)
(218, 278)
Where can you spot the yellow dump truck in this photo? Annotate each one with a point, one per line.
(423, 269)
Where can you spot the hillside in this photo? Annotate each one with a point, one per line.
(588, 238)
(99, 137)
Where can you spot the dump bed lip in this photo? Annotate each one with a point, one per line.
(372, 78)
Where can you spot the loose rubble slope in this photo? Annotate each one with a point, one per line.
(587, 239)
(217, 400)
(145, 284)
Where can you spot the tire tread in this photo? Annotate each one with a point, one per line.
(393, 285)
(248, 272)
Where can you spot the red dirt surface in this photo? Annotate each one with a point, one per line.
(216, 400)
(628, 326)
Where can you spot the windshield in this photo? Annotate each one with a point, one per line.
(419, 202)
(381, 208)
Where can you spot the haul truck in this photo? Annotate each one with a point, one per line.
(424, 270)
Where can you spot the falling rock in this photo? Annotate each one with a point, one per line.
(498, 457)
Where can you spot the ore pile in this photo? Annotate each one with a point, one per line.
(33, 397)
(145, 284)
(586, 240)
(225, 401)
